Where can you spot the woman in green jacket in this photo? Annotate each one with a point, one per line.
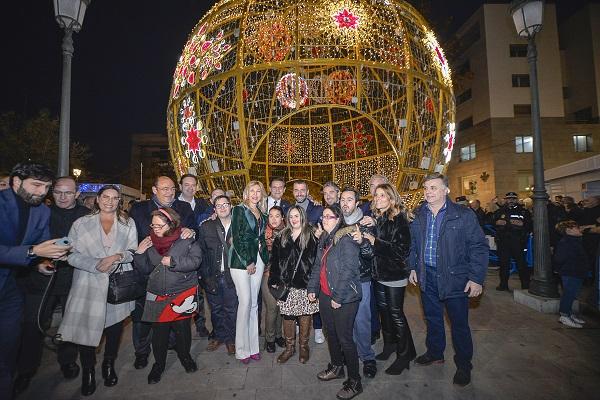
(248, 256)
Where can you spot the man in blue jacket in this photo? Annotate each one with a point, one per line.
(448, 258)
(24, 234)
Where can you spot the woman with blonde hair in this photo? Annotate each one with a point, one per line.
(247, 257)
(389, 249)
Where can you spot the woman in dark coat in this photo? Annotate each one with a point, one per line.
(171, 298)
(295, 246)
(389, 248)
(335, 279)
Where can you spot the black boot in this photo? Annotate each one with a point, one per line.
(155, 374)
(88, 381)
(108, 372)
(389, 347)
(405, 353)
(351, 388)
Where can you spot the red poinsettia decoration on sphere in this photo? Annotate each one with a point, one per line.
(346, 19)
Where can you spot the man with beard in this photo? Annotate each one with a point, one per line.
(63, 213)
(313, 211)
(24, 235)
(331, 193)
(164, 196)
(362, 323)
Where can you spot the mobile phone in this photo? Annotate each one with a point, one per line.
(63, 241)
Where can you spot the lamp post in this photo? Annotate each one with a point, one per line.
(69, 15)
(527, 16)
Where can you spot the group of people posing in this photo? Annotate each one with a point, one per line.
(318, 265)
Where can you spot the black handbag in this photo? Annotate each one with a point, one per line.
(281, 290)
(124, 286)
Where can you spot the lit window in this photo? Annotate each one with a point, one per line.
(524, 144)
(582, 143)
(467, 153)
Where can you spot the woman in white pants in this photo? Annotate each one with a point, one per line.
(247, 257)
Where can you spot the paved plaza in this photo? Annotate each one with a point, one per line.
(519, 354)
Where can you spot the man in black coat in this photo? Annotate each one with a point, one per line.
(276, 191)
(188, 185)
(215, 238)
(164, 196)
(63, 213)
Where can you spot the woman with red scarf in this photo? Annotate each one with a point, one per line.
(171, 298)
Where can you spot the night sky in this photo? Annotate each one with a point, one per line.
(123, 64)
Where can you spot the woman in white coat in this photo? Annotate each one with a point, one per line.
(100, 243)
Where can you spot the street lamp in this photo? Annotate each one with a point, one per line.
(527, 16)
(69, 15)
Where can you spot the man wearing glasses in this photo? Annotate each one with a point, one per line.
(215, 238)
(163, 196)
(63, 213)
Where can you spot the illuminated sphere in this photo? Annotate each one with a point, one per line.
(308, 89)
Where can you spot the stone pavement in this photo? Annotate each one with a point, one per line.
(519, 354)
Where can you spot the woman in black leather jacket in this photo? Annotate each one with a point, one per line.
(296, 245)
(335, 280)
(171, 298)
(390, 248)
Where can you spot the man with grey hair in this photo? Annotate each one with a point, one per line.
(447, 276)
(375, 181)
(331, 193)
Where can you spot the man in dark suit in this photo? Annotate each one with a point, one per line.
(24, 235)
(188, 185)
(164, 196)
(276, 191)
(313, 211)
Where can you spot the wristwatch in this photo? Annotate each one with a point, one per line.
(30, 252)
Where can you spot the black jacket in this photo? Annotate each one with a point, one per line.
(511, 231)
(343, 270)
(212, 254)
(570, 258)
(141, 214)
(181, 275)
(284, 258)
(391, 248)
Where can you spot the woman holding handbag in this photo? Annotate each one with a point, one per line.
(292, 258)
(100, 245)
(172, 292)
(248, 256)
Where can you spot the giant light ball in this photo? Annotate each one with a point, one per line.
(315, 90)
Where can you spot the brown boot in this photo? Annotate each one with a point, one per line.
(289, 332)
(305, 322)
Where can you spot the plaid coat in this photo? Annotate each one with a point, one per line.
(87, 313)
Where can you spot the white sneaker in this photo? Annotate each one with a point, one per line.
(319, 337)
(575, 318)
(569, 322)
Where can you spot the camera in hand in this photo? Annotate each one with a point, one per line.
(63, 241)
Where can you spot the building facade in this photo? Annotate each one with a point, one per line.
(149, 158)
(493, 153)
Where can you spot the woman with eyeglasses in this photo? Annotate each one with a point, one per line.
(292, 260)
(172, 292)
(335, 281)
(248, 256)
(101, 243)
(389, 249)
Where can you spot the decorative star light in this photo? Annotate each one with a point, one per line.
(438, 55)
(346, 19)
(193, 132)
(449, 139)
(355, 141)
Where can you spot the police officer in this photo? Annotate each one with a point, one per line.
(513, 224)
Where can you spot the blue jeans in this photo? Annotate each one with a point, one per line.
(223, 311)
(362, 325)
(11, 314)
(458, 313)
(571, 288)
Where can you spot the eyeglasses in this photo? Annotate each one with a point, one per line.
(157, 226)
(222, 206)
(330, 217)
(60, 194)
(166, 189)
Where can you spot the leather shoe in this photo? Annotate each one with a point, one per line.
(230, 349)
(426, 359)
(270, 347)
(141, 361)
(21, 384)
(502, 288)
(70, 370)
(155, 374)
(88, 381)
(462, 377)
(332, 372)
(213, 345)
(280, 341)
(370, 368)
(108, 373)
(189, 364)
